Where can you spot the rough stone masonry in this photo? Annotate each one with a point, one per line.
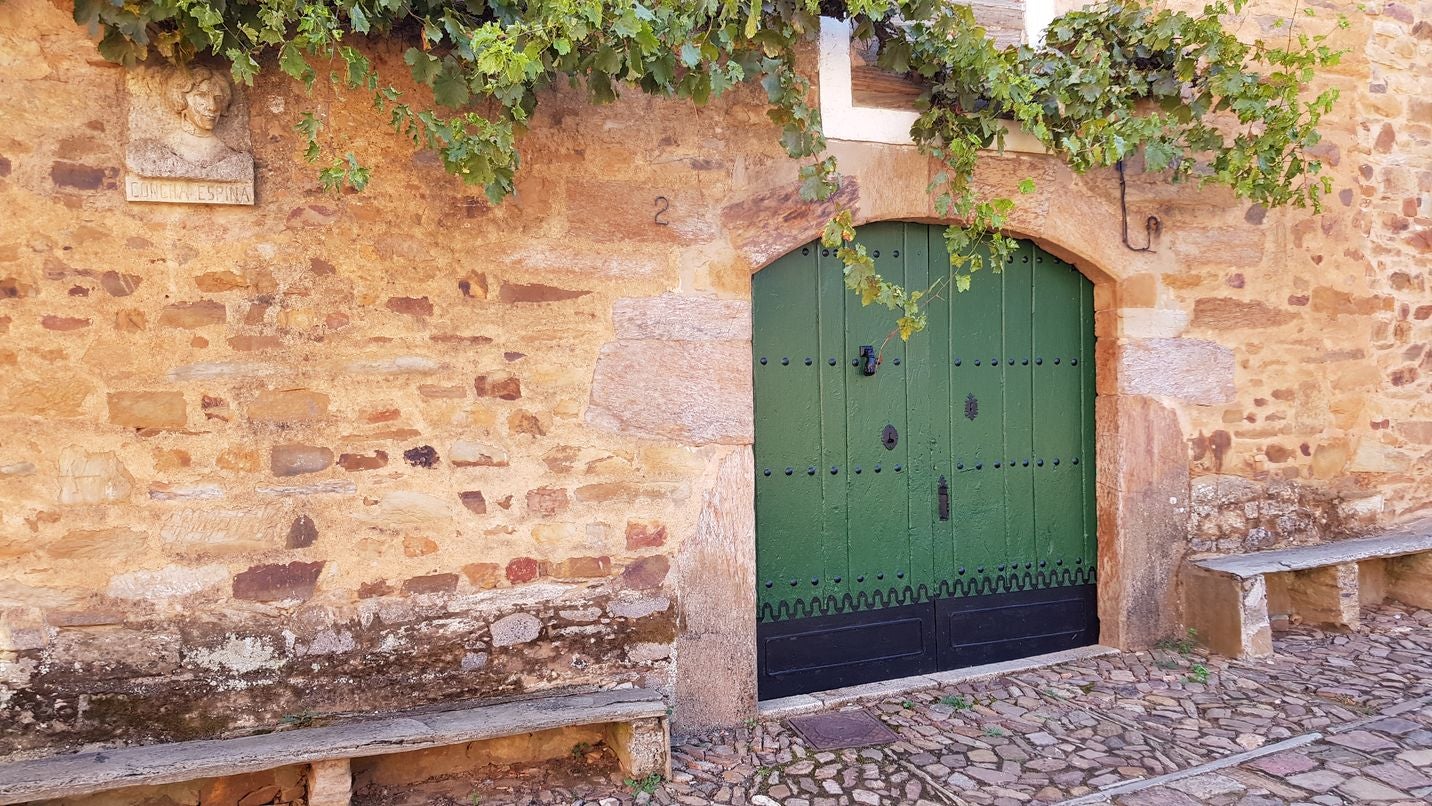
(353, 453)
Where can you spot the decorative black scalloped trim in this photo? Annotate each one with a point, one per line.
(894, 597)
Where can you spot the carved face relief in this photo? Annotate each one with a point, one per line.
(204, 103)
(188, 137)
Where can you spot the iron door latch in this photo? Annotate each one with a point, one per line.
(944, 498)
(868, 360)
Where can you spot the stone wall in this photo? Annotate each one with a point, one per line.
(339, 454)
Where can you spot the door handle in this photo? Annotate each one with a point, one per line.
(868, 359)
(944, 498)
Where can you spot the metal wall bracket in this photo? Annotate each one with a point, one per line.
(1152, 225)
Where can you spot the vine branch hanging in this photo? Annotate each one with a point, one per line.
(1111, 80)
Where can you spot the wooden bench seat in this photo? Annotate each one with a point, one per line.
(637, 732)
(1228, 600)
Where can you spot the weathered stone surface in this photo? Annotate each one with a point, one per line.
(473, 500)
(87, 478)
(504, 387)
(1194, 370)
(421, 456)
(547, 502)
(119, 285)
(537, 292)
(645, 535)
(302, 533)
(192, 315)
(688, 391)
(715, 572)
(148, 409)
(648, 572)
(523, 569)
(288, 405)
(296, 460)
(357, 461)
(412, 306)
(518, 628)
(431, 583)
(269, 583)
(675, 317)
(583, 568)
(1223, 313)
(483, 575)
(169, 582)
(409, 507)
(464, 453)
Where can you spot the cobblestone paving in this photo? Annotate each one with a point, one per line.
(1059, 733)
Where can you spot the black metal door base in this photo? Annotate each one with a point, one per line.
(824, 652)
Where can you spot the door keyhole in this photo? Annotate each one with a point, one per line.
(889, 437)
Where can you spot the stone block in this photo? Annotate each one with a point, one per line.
(295, 460)
(431, 583)
(1194, 370)
(330, 783)
(697, 392)
(190, 315)
(353, 462)
(502, 387)
(147, 409)
(272, 583)
(677, 317)
(642, 746)
(288, 406)
(1327, 596)
(169, 582)
(547, 502)
(1229, 615)
(92, 478)
(518, 628)
(645, 573)
(1409, 580)
(644, 535)
(1142, 500)
(1371, 582)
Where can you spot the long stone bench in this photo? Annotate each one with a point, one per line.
(636, 720)
(1232, 601)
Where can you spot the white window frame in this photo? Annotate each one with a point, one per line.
(841, 119)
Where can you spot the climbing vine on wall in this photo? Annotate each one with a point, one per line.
(1114, 79)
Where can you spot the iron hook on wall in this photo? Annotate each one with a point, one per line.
(1152, 225)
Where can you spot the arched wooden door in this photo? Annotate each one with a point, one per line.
(938, 512)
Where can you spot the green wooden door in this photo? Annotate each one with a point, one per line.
(936, 513)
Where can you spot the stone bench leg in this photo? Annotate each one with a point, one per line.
(330, 783)
(1327, 595)
(1409, 580)
(1229, 614)
(643, 746)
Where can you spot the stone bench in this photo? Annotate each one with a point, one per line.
(1228, 600)
(635, 720)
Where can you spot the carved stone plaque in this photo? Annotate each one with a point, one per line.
(188, 138)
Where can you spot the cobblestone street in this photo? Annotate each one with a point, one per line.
(1347, 718)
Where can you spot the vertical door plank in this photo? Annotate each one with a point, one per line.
(925, 410)
(976, 489)
(880, 494)
(1017, 366)
(788, 424)
(1058, 425)
(829, 552)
